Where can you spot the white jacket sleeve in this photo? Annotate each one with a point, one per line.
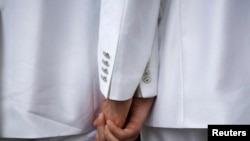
(126, 35)
(149, 80)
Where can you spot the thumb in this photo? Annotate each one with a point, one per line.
(116, 131)
(99, 120)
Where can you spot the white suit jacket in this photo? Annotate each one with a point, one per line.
(127, 47)
(49, 79)
(203, 50)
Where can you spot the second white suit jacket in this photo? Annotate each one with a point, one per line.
(203, 52)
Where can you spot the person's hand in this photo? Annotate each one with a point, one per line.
(114, 133)
(116, 111)
(99, 123)
(138, 114)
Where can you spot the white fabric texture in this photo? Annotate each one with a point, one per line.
(49, 78)
(90, 136)
(204, 73)
(172, 134)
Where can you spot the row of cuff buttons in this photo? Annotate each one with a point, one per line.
(106, 64)
(146, 75)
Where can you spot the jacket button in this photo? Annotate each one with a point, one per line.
(106, 54)
(105, 71)
(146, 72)
(104, 78)
(146, 79)
(106, 63)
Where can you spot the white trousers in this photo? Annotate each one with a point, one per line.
(173, 134)
(81, 137)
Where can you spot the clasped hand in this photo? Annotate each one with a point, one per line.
(122, 120)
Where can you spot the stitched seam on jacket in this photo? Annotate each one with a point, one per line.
(181, 61)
